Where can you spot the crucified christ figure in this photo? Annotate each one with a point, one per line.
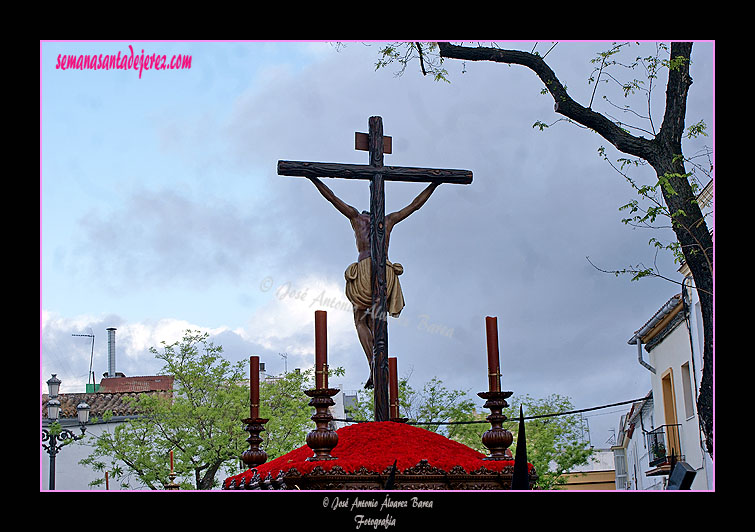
(358, 274)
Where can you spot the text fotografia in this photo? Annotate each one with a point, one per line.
(374, 522)
(125, 61)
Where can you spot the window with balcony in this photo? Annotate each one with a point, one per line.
(664, 448)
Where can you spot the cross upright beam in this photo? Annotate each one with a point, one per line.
(378, 254)
(377, 174)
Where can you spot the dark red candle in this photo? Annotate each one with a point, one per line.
(494, 371)
(393, 387)
(321, 349)
(254, 386)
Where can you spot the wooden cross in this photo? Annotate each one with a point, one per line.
(377, 174)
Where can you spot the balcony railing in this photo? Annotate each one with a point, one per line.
(665, 445)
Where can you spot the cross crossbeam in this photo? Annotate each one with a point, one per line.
(366, 171)
(377, 174)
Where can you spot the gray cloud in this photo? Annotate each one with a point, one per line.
(166, 236)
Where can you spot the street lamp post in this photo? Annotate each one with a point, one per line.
(58, 439)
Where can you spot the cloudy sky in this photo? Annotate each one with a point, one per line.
(162, 210)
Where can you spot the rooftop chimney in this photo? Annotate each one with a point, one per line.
(111, 352)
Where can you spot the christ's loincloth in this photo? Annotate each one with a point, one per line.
(359, 285)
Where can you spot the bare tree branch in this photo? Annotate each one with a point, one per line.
(564, 104)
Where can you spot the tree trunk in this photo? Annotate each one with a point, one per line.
(687, 219)
(664, 154)
(204, 482)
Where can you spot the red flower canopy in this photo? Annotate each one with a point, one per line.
(375, 446)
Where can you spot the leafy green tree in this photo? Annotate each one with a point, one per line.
(555, 444)
(660, 147)
(202, 421)
(470, 431)
(199, 423)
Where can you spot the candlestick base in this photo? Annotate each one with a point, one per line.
(496, 439)
(323, 439)
(172, 485)
(254, 456)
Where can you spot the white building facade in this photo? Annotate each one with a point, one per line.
(669, 346)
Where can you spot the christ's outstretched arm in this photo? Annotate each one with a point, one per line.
(347, 210)
(395, 217)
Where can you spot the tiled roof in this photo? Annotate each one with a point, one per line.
(99, 403)
(136, 384)
(114, 395)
